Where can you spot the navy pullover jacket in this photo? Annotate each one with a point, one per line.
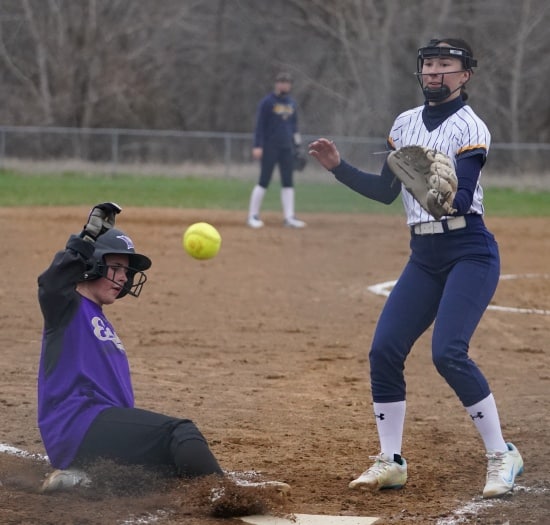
(276, 122)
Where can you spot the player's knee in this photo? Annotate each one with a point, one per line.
(265, 178)
(190, 451)
(442, 364)
(185, 430)
(388, 348)
(449, 360)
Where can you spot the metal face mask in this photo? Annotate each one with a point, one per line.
(434, 50)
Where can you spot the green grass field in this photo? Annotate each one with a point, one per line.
(68, 189)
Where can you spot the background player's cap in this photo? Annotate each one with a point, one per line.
(283, 76)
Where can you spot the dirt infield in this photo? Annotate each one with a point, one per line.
(265, 348)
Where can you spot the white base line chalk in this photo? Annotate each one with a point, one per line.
(384, 289)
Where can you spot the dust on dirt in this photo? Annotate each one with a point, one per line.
(265, 348)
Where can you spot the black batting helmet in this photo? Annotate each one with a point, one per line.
(115, 241)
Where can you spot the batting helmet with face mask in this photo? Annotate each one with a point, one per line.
(114, 241)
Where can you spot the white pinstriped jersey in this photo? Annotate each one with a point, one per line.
(459, 134)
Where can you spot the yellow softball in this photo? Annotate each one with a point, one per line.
(202, 241)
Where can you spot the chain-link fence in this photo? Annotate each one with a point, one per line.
(214, 154)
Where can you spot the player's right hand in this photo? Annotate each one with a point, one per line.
(101, 219)
(325, 152)
(257, 153)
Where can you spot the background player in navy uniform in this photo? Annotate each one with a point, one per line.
(85, 397)
(276, 138)
(451, 275)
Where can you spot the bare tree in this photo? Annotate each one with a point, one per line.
(204, 64)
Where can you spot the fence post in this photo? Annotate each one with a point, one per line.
(114, 150)
(227, 153)
(2, 148)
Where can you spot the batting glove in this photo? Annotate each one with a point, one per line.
(101, 219)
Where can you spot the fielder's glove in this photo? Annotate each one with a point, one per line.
(300, 159)
(101, 219)
(428, 175)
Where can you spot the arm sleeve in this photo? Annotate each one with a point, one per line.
(259, 131)
(295, 119)
(467, 173)
(57, 285)
(383, 188)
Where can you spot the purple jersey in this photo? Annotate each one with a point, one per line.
(83, 365)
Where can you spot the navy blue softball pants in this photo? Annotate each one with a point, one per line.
(273, 155)
(450, 278)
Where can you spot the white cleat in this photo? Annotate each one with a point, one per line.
(502, 469)
(254, 222)
(65, 480)
(384, 474)
(293, 222)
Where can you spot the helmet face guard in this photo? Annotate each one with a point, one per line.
(133, 285)
(115, 241)
(434, 50)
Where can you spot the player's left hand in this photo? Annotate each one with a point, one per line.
(325, 152)
(101, 219)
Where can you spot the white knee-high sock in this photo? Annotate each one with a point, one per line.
(256, 199)
(287, 202)
(390, 420)
(485, 417)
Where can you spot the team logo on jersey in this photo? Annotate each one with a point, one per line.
(106, 333)
(283, 110)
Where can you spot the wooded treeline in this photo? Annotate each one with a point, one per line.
(204, 64)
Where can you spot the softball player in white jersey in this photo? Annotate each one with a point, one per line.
(451, 275)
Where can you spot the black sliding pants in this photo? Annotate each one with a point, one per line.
(133, 436)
